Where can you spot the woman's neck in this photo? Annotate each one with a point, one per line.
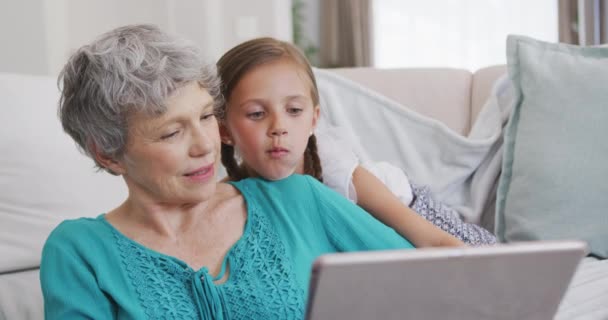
(141, 214)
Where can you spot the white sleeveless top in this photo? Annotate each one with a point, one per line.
(339, 161)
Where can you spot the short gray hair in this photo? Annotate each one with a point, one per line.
(130, 69)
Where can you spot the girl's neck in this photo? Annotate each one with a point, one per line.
(250, 173)
(300, 167)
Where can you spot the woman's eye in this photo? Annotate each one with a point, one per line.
(170, 135)
(207, 116)
(255, 115)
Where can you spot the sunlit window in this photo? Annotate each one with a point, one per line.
(468, 34)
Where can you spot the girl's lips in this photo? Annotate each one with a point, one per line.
(277, 153)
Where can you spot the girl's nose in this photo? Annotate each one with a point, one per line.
(278, 131)
(278, 126)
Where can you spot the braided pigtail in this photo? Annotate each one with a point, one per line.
(228, 160)
(312, 163)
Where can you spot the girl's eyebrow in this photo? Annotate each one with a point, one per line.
(249, 101)
(262, 100)
(296, 96)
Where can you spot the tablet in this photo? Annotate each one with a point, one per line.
(524, 280)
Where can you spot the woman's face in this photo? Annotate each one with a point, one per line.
(173, 158)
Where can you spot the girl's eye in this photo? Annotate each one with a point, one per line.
(255, 115)
(170, 135)
(294, 111)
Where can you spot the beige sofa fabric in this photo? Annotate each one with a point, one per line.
(483, 81)
(452, 96)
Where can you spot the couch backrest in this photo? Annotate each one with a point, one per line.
(43, 177)
(453, 96)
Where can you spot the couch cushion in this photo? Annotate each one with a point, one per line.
(554, 178)
(43, 177)
(438, 93)
(20, 295)
(483, 80)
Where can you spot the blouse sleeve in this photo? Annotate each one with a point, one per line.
(351, 228)
(338, 161)
(393, 178)
(68, 283)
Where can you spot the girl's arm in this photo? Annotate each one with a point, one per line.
(348, 227)
(377, 199)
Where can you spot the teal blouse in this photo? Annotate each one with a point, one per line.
(90, 270)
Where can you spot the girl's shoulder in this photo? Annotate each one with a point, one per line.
(294, 189)
(336, 142)
(294, 182)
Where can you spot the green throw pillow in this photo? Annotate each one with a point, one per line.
(554, 180)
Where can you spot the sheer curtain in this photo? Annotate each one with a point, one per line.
(583, 22)
(346, 37)
(467, 34)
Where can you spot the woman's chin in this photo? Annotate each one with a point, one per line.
(200, 193)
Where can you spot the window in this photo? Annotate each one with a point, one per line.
(467, 34)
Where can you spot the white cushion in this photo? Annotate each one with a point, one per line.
(43, 177)
(20, 296)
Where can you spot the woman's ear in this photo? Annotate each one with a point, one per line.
(109, 163)
(225, 135)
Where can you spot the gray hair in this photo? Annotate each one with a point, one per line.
(127, 70)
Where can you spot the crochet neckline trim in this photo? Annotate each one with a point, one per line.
(203, 269)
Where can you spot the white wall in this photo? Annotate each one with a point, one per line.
(22, 35)
(249, 19)
(39, 35)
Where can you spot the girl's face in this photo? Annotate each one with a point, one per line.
(270, 116)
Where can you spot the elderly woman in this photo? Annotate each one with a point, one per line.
(141, 104)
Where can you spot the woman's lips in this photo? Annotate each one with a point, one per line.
(201, 174)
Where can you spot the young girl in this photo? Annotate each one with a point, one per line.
(271, 110)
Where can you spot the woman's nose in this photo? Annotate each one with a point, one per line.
(202, 143)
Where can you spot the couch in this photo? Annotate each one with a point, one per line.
(44, 179)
